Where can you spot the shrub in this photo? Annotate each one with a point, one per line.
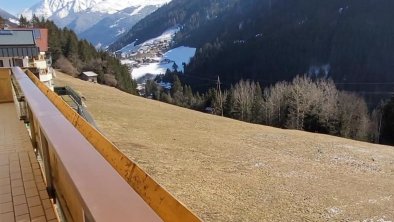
(110, 80)
(66, 66)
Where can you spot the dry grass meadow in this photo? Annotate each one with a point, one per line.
(226, 170)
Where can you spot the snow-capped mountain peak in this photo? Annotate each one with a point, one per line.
(63, 8)
(59, 8)
(111, 6)
(91, 18)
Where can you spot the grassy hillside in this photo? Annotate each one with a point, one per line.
(226, 170)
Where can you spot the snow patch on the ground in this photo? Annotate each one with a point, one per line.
(334, 211)
(355, 163)
(178, 55)
(259, 165)
(152, 68)
(136, 11)
(14, 21)
(120, 31)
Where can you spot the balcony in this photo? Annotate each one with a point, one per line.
(45, 77)
(65, 163)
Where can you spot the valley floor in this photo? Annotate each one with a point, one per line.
(226, 170)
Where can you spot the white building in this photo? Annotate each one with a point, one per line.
(27, 48)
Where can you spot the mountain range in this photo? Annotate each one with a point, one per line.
(10, 19)
(99, 21)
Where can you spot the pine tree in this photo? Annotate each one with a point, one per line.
(176, 85)
(71, 47)
(257, 105)
(175, 67)
(35, 21)
(387, 131)
(229, 104)
(23, 22)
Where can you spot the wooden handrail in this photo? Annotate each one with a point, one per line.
(87, 187)
(160, 200)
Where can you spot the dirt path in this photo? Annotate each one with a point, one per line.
(226, 170)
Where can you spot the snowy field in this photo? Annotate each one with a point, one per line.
(178, 55)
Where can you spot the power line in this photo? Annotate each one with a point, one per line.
(377, 93)
(364, 83)
(200, 78)
(272, 81)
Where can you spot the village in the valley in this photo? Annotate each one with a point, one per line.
(153, 57)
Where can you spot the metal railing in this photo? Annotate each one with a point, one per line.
(77, 100)
(88, 175)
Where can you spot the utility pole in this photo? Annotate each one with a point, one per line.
(380, 122)
(219, 94)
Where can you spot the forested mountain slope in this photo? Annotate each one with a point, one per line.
(189, 14)
(350, 41)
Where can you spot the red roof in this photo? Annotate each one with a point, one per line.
(42, 40)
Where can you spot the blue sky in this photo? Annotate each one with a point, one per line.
(16, 6)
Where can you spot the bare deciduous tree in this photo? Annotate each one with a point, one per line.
(353, 116)
(110, 80)
(322, 116)
(244, 92)
(66, 66)
(275, 105)
(301, 97)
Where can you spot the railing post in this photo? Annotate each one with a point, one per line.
(47, 164)
(32, 126)
(23, 109)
